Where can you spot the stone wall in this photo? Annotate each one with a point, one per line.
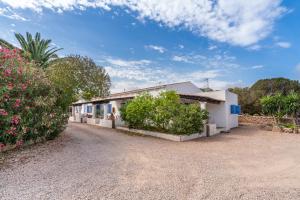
(259, 120)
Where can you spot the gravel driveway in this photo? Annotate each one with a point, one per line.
(89, 162)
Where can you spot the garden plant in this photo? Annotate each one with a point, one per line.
(164, 113)
(29, 103)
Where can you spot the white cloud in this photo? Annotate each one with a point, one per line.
(182, 59)
(255, 47)
(160, 49)
(132, 74)
(127, 63)
(237, 22)
(212, 47)
(284, 44)
(218, 61)
(8, 13)
(257, 66)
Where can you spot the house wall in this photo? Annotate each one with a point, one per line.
(217, 114)
(220, 113)
(233, 120)
(117, 105)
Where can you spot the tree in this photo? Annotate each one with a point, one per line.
(38, 49)
(292, 107)
(5, 44)
(249, 97)
(78, 77)
(274, 106)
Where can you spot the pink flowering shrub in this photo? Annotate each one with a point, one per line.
(29, 107)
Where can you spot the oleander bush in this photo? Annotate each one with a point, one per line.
(29, 105)
(163, 113)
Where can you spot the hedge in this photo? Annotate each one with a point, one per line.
(164, 113)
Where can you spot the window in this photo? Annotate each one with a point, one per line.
(235, 109)
(109, 108)
(89, 109)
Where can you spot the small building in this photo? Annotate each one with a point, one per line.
(222, 106)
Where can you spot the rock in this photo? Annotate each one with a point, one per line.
(276, 129)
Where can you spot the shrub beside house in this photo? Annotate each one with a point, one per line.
(164, 113)
(29, 106)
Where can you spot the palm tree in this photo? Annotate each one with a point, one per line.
(5, 44)
(39, 49)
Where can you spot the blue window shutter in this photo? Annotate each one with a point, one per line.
(109, 108)
(232, 109)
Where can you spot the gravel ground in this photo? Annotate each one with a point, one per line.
(88, 162)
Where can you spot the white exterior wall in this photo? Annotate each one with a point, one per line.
(117, 105)
(231, 99)
(220, 113)
(217, 114)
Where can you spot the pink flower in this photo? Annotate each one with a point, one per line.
(12, 131)
(15, 120)
(3, 112)
(23, 86)
(2, 146)
(20, 70)
(19, 143)
(17, 103)
(10, 86)
(7, 72)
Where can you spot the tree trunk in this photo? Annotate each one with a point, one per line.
(295, 124)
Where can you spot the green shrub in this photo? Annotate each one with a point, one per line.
(29, 106)
(166, 106)
(164, 113)
(139, 111)
(190, 119)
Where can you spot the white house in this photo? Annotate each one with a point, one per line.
(222, 106)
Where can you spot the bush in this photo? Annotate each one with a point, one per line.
(164, 113)
(190, 119)
(138, 112)
(29, 106)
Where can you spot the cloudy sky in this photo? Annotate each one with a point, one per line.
(147, 42)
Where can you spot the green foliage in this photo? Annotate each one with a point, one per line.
(38, 49)
(5, 44)
(292, 107)
(29, 106)
(165, 107)
(274, 106)
(292, 104)
(279, 105)
(163, 113)
(190, 119)
(249, 98)
(139, 111)
(78, 77)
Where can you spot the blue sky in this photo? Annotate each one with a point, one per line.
(143, 43)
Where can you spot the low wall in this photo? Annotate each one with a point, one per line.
(176, 138)
(260, 120)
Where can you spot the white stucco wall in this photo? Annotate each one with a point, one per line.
(220, 113)
(217, 114)
(231, 99)
(117, 105)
